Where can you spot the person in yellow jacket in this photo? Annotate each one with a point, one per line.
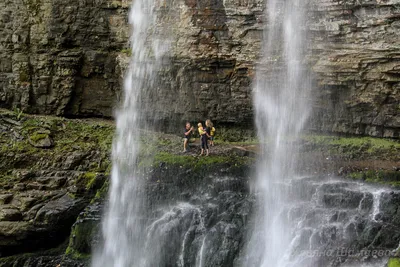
(204, 139)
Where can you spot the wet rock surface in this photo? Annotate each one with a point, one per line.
(43, 189)
(195, 218)
(199, 208)
(342, 223)
(198, 218)
(40, 211)
(207, 219)
(86, 231)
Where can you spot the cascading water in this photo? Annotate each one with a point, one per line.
(123, 226)
(282, 106)
(304, 221)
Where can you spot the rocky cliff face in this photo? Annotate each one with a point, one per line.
(357, 67)
(59, 57)
(49, 172)
(62, 58)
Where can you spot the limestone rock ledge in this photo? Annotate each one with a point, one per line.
(44, 189)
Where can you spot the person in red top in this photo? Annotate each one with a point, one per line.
(187, 135)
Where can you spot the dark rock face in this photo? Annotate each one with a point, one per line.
(43, 189)
(356, 48)
(60, 57)
(65, 58)
(86, 232)
(195, 218)
(198, 216)
(205, 216)
(43, 261)
(39, 210)
(345, 223)
(192, 217)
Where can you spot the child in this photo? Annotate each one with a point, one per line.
(203, 139)
(211, 131)
(187, 136)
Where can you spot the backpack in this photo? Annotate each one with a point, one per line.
(212, 131)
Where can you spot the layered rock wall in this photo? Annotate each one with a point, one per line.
(63, 58)
(356, 48)
(59, 57)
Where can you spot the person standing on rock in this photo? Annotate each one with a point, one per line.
(204, 139)
(210, 131)
(188, 134)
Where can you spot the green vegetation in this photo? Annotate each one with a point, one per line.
(93, 138)
(355, 147)
(394, 262)
(18, 113)
(79, 145)
(371, 144)
(89, 179)
(127, 51)
(80, 238)
(199, 162)
(68, 135)
(7, 178)
(377, 176)
(38, 136)
(84, 147)
(75, 254)
(102, 192)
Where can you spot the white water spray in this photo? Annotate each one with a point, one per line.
(377, 201)
(123, 224)
(282, 106)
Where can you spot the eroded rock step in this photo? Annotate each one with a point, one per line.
(37, 209)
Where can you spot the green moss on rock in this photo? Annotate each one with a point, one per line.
(90, 182)
(394, 262)
(102, 192)
(62, 137)
(198, 162)
(377, 176)
(90, 178)
(38, 136)
(80, 240)
(354, 147)
(128, 52)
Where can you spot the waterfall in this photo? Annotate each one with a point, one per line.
(282, 106)
(123, 224)
(201, 220)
